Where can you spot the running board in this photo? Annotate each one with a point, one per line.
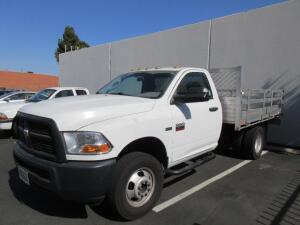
(191, 164)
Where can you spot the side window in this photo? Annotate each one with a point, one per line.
(64, 93)
(194, 83)
(28, 95)
(20, 96)
(81, 92)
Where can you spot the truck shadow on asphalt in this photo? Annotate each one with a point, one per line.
(105, 212)
(43, 201)
(228, 153)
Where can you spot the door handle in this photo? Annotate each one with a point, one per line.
(213, 109)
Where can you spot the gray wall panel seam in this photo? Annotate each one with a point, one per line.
(209, 45)
(109, 60)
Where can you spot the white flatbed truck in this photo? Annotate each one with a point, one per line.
(119, 144)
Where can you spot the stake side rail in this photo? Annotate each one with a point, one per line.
(245, 108)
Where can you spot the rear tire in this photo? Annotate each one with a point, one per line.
(136, 185)
(237, 143)
(254, 142)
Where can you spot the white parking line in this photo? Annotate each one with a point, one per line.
(200, 186)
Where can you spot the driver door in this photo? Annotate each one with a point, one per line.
(196, 124)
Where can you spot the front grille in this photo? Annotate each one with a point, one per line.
(36, 135)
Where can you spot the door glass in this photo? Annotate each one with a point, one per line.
(81, 92)
(20, 96)
(195, 83)
(64, 93)
(28, 95)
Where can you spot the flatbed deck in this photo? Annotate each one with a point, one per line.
(245, 108)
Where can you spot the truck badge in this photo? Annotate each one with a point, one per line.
(180, 126)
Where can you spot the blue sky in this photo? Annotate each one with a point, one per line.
(29, 29)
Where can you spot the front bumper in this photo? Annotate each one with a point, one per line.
(80, 181)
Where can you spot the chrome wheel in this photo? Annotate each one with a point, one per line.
(258, 145)
(140, 187)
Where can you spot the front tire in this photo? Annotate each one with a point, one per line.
(136, 185)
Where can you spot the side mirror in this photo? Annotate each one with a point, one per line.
(7, 100)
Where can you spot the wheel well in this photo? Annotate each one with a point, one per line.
(262, 125)
(149, 145)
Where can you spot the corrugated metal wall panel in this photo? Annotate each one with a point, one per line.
(88, 67)
(186, 46)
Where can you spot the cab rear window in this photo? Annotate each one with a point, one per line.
(81, 92)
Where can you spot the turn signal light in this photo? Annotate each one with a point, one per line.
(100, 149)
(3, 116)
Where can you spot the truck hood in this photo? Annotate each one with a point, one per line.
(72, 113)
(11, 109)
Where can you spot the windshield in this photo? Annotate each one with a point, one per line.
(41, 95)
(5, 93)
(139, 84)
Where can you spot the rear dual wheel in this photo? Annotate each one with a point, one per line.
(250, 143)
(254, 142)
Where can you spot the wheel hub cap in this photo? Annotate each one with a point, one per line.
(140, 187)
(258, 144)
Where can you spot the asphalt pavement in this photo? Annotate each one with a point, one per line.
(226, 190)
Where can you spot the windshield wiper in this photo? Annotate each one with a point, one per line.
(118, 93)
(33, 100)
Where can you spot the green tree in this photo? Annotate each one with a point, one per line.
(68, 41)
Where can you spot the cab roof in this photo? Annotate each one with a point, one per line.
(64, 88)
(175, 69)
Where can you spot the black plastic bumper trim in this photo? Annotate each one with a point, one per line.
(6, 121)
(81, 181)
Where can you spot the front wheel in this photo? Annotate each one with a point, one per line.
(136, 185)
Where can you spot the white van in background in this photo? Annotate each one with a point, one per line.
(9, 111)
(16, 96)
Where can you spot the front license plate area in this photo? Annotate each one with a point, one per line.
(23, 175)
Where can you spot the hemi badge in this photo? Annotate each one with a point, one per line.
(180, 126)
(168, 128)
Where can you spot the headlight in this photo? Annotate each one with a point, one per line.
(3, 116)
(86, 142)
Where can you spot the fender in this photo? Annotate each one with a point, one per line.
(124, 130)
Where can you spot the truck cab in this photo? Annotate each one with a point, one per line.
(119, 143)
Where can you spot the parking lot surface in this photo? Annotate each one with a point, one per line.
(266, 191)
